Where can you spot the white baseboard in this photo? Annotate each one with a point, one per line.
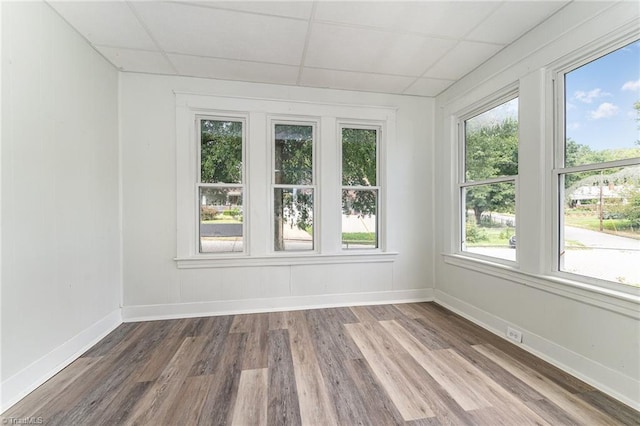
(232, 307)
(621, 387)
(25, 381)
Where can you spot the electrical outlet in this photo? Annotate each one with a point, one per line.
(514, 335)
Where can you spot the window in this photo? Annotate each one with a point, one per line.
(293, 187)
(360, 190)
(598, 168)
(259, 181)
(488, 181)
(220, 185)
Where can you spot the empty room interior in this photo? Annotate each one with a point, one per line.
(320, 212)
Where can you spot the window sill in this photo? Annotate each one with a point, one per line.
(291, 260)
(616, 301)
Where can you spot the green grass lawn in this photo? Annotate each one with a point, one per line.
(358, 237)
(592, 222)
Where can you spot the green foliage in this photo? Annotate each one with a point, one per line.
(293, 154)
(359, 163)
(221, 151)
(474, 233)
(491, 151)
(359, 168)
(208, 213)
(232, 212)
(631, 210)
(360, 237)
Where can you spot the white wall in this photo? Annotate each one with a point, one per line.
(155, 287)
(591, 334)
(60, 205)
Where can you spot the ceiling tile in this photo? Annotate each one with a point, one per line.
(227, 69)
(110, 23)
(137, 60)
(428, 87)
(440, 18)
(513, 19)
(382, 52)
(354, 80)
(462, 59)
(203, 31)
(290, 9)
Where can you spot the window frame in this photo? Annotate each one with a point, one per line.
(199, 184)
(557, 75)
(314, 122)
(378, 127)
(257, 211)
(498, 98)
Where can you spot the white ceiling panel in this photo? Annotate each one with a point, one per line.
(382, 52)
(137, 60)
(428, 87)
(427, 17)
(109, 23)
(407, 47)
(462, 59)
(332, 79)
(227, 69)
(513, 19)
(203, 31)
(290, 9)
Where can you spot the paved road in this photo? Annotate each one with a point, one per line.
(599, 239)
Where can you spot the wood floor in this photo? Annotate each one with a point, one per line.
(411, 364)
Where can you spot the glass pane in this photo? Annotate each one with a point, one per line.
(359, 157)
(293, 154)
(221, 228)
(602, 224)
(359, 219)
(490, 220)
(602, 107)
(220, 151)
(491, 143)
(293, 225)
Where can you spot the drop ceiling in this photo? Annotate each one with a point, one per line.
(413, 48)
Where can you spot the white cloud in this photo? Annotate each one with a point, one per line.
(573, 126)
(631, 85)
(605, 110)
(588, 97)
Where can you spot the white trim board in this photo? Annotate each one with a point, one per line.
(233, 307)
(29, 378)
(605, 379)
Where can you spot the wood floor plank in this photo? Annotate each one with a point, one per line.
(404, 364)
(283, 407)
(623, 413)
(375, 399)
(454, 382)
(408, 309)
(277, 321)
(329, 334)
(363, 314)
(315, 404)
(332, 349)
(35, 401)
(187, 407)
(574, 406)
(107, 344)
(154, 405)
(211, 354)
(378, 355)
(255, 352)
(252, 400)
(219, 403)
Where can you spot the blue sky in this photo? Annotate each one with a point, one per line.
(600, 97)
